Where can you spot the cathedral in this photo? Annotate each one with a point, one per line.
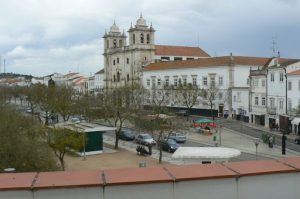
(124, 62)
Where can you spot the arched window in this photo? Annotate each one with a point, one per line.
(120, 43)
(133, 38)
(118, 76)
(107, 43)
(115, 43)
(128, 77)
(148, 38)
(142, 38)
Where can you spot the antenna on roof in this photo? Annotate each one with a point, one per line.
(274, 47)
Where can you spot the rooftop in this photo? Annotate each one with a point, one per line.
(296, 72)
(180, 51)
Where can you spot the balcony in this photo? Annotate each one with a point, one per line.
(272, 110)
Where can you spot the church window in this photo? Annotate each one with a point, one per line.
(128, 77)
(142, 38)
(118, 76)
(133, 38)
(115, 43)
(118, 60)
(107, 43)
(114, 62)
(127, 60)
(120, 43)
(148, 38)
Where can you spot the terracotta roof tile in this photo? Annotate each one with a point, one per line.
(293, 162)
(180, 51)
(200, 171)
(208, 62)
(68, 179)
(259, 167)
(296, 72)
(136, 176)
(15, 181)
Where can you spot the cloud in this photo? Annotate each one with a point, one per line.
(46, 36)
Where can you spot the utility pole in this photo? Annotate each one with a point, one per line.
(0, 64)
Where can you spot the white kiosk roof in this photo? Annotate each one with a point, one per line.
(207, 153)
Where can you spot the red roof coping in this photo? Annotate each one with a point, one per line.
(259, 167)
(296, 72)
(62, 179)
(293, 162)
(136, 176)
(14, 181)
(180, 51)
(200, 172)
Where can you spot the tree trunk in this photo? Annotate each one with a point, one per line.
(160, 154)
(117, 140)
(62, 164)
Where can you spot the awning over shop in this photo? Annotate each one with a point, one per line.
(296, 121)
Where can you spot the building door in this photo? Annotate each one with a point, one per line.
(221, 110)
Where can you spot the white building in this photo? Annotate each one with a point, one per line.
(294, 99)
(123, 63)
(99, 81)
(277, 90)
(229, 73)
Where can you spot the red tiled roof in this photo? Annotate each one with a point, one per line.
(180, 51)
(12, 181)
(208, 62)
(200, 171)
(293, 162)
(68, 179)
(259, 167)
(70, 74)
(136, 176)
(296, 72)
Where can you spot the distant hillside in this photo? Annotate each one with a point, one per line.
(13, 75)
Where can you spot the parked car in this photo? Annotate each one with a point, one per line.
(297, 140)
(169, 145)
(127, 134)
(145, 139)
(178, 137)
(75, 120)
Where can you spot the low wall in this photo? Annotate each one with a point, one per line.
(266, 179)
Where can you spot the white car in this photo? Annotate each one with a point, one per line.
(75, 120)
(145, 139)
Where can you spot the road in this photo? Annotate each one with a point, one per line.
(239, 127)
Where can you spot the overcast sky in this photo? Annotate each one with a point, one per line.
(40, 37)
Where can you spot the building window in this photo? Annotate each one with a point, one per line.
(263, 83)
(120, 43)
(118, 76)
(118, 60)
(289, 104)
(165, 58)
(167, 81)
(115, 43)
(148, 82)
(238, 96)
(128, 77)
(175, 81)
(179, 81)
(184, 81)
(133, 38)
(263, 101)
(153, 82)
(272, 103)
(212, 81)
(142, 38)
(272, 77)
(289, 85)
(177, 58)
(127, 60)
(204, 81)
(220, 96)
(256, 82)
(114, 62)
(148, 38)
(234, 98)
(194, 81)
(281, 77)
(107, 43)
(256, 101)
(281, 104)
(114, 78)
(220, 81)
(158, 82)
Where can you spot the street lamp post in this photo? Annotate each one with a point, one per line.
(256, 142)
